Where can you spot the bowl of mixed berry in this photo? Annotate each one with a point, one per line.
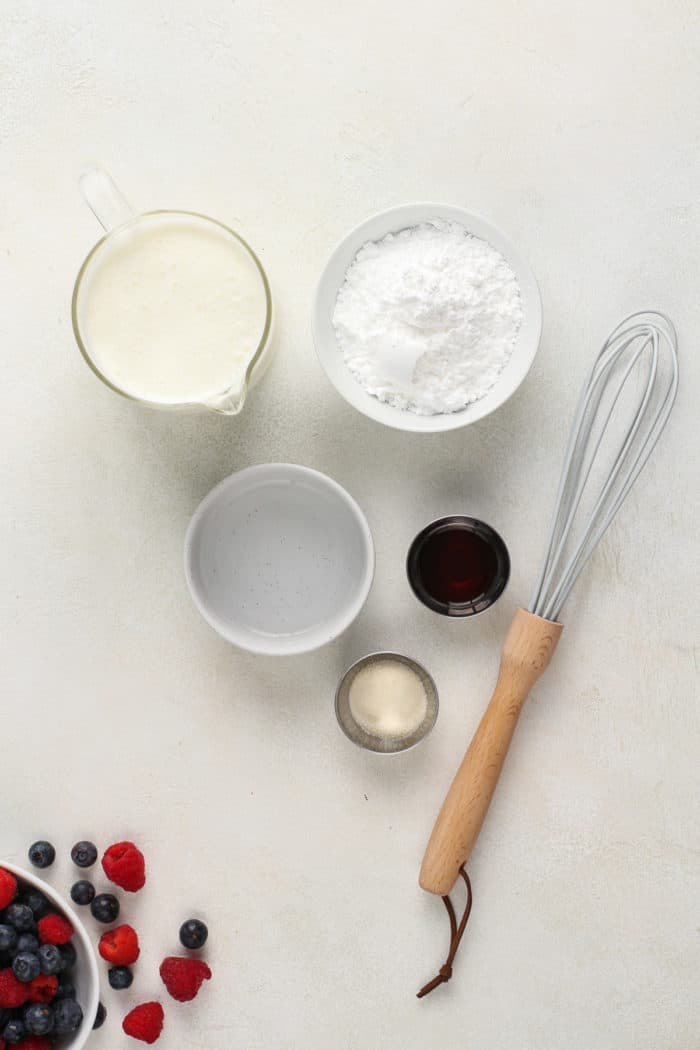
(49, 981)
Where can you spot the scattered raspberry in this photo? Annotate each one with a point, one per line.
(35, 1042)
(124, 865)
(8, 887)
(183, 977)
(144, 1022)
(43, 988)
(54, 929)
(12, 992)
(120, 946)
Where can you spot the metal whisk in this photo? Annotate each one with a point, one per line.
(642, 350)
(641, 339)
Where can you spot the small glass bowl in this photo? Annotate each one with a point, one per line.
(384, 745)
(497, 551)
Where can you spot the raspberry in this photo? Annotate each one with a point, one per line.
(35, 1042)
(120, 946)
(54, 929)
(124, 865)
(144, 1022)
(8, 887)
(183, 977)
(12, 992)
(43, 988)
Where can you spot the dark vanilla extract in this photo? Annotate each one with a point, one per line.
(458, 566)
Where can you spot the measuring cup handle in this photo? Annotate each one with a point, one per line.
(526, 653)
(105, 201)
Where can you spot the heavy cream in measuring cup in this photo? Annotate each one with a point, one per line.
(172, 309)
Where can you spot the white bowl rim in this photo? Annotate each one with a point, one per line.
(93, 984)
(308, 641)
(393, 219)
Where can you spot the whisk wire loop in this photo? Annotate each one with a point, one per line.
(643, 337)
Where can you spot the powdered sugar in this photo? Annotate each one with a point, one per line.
(427, 318)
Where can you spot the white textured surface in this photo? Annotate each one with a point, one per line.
(574, 128)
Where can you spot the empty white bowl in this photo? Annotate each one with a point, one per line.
(279, 559)
(85, 973)
(333, 276)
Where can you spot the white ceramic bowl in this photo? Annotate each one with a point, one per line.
(332, 278)
(85, 972)
(279, 559)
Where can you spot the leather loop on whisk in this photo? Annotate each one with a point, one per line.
(456, 934)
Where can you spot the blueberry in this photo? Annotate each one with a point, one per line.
(65, 990)
(8, 937)
(42, 854)
(21, 917)
(25, 966)
(99, 1016)
(50, 959)
(84, 854)
(66, 1016)
(38, 1019)
(14, 1031)
(68, 954)
(82, 891)
(193, 934)
(105, 907)
(120, 977)
(36, 902)
(27, 942)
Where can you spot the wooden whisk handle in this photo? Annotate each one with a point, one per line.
(526, 653)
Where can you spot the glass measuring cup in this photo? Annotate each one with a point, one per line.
(171, 309)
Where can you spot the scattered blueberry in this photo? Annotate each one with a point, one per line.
(27, 942)
(14, 1031)
(50, 959)
(193, 934)
(42, 854)
(120, 977)
(36, 902)
(25, 966)
(100, 1016)
(38, 1019)
(20, 916)
(8, 937)
(105, 907)
(84, 854)
(67, 1016)
(68, 954)
(82, 892)
(65, 990)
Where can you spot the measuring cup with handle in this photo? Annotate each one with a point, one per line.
(170, 308)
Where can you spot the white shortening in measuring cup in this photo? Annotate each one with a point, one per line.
(171, 308)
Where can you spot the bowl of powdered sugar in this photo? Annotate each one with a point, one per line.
(426, 318)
